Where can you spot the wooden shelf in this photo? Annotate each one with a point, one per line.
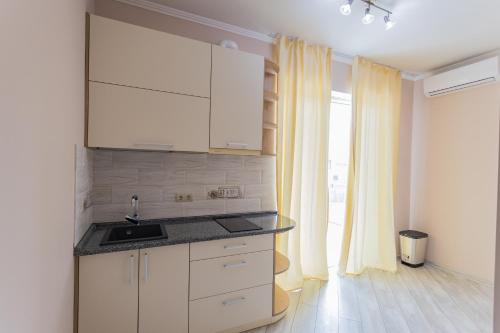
(270, 96)
(271, 68)
(270, 115)
(270, 112)
(268, 125)
(268, 141)
(281, 263)
(281, 301)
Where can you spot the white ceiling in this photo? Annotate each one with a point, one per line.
(429, 33)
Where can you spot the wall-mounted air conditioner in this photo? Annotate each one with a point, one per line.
(479, 73)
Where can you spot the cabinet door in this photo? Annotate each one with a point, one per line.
(222, 275)
(231, 311)
(134, 56)
(108, 289)
(236, 99)
(163, 289)
(130, 118)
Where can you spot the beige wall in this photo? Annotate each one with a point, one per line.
(135, 15)
(454, 177)
(496, 296)
(41, 105)
(402, 212)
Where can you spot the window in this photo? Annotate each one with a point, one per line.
(338, 162)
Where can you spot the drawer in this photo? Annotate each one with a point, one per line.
(211, 277)
(218, 313)
(231, 246)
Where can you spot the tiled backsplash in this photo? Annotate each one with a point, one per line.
(84, 164)
(156, 177)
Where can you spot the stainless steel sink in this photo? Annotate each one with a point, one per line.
(134, 233)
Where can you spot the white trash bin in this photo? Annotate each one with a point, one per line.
(413, 246)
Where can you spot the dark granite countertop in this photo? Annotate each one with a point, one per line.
(182, 230)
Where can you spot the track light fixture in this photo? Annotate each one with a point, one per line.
(389, 24)
(345, 9)
(369, 17)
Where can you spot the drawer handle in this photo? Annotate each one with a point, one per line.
(237, 145)
(235, 247)
(146, 267)
(159, 146)
(131, 263)
(235, 265)
(233, 301)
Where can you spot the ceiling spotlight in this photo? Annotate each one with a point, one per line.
(345, 9)
(368, 18)
(388, 22)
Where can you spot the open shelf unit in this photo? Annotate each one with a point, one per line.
(281, 301)
(270, 116)
(281, 263)
(280, 297)
(270, 96)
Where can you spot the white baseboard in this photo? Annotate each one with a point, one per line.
(463, 275)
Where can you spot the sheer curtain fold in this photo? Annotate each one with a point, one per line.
(369, 227)
(302, 157)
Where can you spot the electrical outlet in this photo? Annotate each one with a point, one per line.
(225, 192)
(229, 192)
(183, 197)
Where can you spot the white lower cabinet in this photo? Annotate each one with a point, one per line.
(231, 310)
(139, 291)
(108, 289)
(231, 293)
(163, 289)
(225, 274)
(231, 246)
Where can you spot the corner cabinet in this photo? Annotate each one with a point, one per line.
(134, 291)
(236, 100)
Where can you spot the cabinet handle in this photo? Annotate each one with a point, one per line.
(238, 264)
(131, 261)
(233, 301)
(235, 247)
(237, 145)
(159, 146)
(146, 267)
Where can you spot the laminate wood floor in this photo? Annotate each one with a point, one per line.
(423, 300)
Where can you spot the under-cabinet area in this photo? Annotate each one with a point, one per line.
(150, 90)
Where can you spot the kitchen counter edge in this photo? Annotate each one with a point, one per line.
(212, 231)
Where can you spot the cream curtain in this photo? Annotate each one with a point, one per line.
(369, 227)
(302, 157)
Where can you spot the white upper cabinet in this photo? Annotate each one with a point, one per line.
(126, 54)
(236, 99)
(128, 118)
(155, 91)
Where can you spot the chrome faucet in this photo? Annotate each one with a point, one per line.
(135, 206)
